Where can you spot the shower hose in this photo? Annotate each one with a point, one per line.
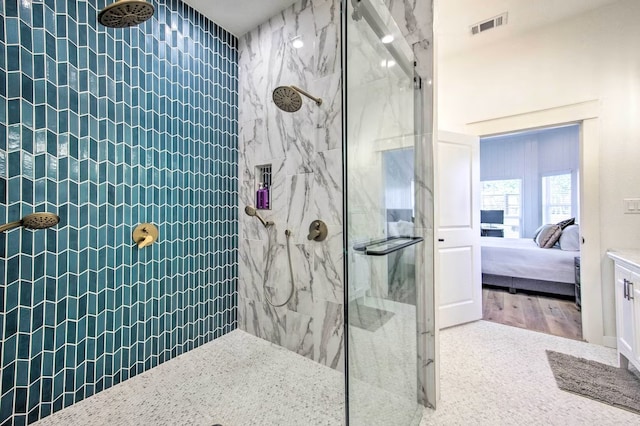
(264, 283)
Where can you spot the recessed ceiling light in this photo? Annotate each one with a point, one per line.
(387, 63)
(297, 43)
(387, 39)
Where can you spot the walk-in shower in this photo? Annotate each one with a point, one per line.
(148, 112)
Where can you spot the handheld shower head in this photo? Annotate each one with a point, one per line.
(288, 98)
(251, 211)
(34, 221)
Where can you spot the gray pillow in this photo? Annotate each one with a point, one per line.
(535, 234)
(570, 238)
(548, 236)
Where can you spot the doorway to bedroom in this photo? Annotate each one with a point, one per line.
(530, 244)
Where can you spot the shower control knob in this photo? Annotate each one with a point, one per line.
(145, 234)
(317, 231)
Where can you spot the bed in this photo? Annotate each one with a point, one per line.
(521, 264)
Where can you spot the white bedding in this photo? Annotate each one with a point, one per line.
(524, 259)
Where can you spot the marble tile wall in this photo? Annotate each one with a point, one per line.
(304, 150)
(415, 19)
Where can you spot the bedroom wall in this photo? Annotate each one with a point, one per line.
(529, 156)
(592, 56)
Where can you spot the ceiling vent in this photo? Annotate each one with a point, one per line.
(496, 21)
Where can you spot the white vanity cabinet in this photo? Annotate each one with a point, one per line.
(627, 296)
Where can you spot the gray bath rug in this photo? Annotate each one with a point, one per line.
(611, 385)
(368, 318)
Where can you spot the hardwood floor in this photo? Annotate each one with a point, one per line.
(546, 314)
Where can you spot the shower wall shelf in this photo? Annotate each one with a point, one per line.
(263, 187)
(386, 245)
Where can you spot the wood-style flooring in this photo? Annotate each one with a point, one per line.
(545, 314)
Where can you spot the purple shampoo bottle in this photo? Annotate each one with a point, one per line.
(260, 197)
(265, 199)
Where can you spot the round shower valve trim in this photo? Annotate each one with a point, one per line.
(145, 234)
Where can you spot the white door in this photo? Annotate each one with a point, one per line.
(458, 270)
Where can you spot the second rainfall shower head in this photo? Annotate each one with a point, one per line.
(126, 13)
(288, 98)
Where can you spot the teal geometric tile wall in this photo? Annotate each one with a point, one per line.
(109, 128)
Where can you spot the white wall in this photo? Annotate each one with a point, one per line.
(593, 56)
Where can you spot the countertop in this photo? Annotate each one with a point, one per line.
(630, 256)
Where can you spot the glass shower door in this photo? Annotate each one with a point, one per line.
(380, 209)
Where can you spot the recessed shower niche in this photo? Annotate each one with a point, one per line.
(263, 187)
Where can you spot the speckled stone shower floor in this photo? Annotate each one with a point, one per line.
(237, 379)
(491, 374)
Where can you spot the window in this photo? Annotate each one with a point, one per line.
(504, 195)
(556, 198)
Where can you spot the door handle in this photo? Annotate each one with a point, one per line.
(630, 291)
(626, 289)
(441, 240)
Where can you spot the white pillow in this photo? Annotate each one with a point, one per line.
(570, 238)
(405, 228)
(401, 228)
(393, 229)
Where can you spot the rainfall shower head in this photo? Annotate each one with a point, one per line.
(251, 211)
(33, 221)
(288, 98)
(125, 13)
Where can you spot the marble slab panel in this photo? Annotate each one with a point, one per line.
(299, 337)
(328, 283)
(329, 114)
(328, 334)
(304, 279)
(300, 205)
(251, 269)
(327, 186)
